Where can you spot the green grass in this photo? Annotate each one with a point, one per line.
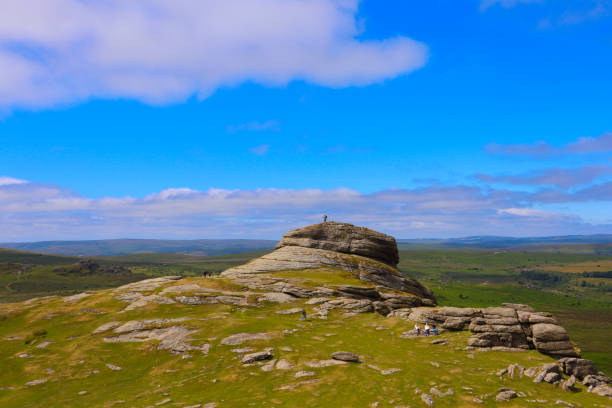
(321, 277)
(149, 376)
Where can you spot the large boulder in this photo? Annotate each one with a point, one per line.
(552, 339)
(344, 238)
(578, 367)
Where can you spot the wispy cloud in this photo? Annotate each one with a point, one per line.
(5, 181)
(558, 177)
(31, 211)
(584, 145)
(600, 9)
(159, 52)
(268, 125)
(485, 4)
(260, 150)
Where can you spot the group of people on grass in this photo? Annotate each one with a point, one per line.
(427, 330)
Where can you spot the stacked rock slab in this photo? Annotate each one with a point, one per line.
(370, 256)
(510, 326)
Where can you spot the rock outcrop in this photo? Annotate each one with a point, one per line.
(511, 326)
(344, 238)
(369, 255)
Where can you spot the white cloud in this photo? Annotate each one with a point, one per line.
(160, 51)
(5, 181)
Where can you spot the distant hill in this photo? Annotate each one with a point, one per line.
(601, 243)
(594, 244)
(114, 247)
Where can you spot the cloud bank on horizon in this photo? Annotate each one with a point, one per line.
(29, 209)
(157, 51)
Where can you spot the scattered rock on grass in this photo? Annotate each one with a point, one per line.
(345, 356)
(505, 395)
(283, 365)
(427, 399)
(254, 357)
(114, 367)
(300, 374)
(237, 339)
(36, 382)
(324, 363)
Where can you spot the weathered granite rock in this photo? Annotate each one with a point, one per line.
(254, 357)
(324, 363)
(501, 326)
(427, 400)
(358, 292)
(239, 338)
(552, 378)
(568, 385)
(515, 371)
(546, 369)
(604, 390)
(552, 339)
(298, 258)
(345, 356)
(578, 367)
(173, 338)
(345, 238)
(593, 380)
(505, 395)
(519, 306)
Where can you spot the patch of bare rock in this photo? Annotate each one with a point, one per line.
(239, 338)
(170, 336)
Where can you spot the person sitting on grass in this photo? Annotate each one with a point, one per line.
(417, 329)
(435, 330)
(426, 329)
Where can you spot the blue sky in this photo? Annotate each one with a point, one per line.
(191, 119)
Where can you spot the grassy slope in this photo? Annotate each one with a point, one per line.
(149, 376)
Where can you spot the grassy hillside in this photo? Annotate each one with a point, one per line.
(32, 258)
(53, 341)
